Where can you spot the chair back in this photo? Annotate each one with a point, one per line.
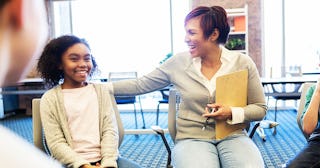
(37, 126)
(304, 88)
(174, 100)
(165, 93)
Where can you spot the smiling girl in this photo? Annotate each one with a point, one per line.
(77, 116)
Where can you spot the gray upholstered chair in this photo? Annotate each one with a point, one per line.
(36, 124)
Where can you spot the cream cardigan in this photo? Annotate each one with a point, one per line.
(58, 135)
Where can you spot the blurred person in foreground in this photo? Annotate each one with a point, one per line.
(23, 32)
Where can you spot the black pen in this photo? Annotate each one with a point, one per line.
(212, 110)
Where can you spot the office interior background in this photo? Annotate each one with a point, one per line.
(137, 35)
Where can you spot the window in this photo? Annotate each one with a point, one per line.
(302, 34)
(124, 35)
(291, 36)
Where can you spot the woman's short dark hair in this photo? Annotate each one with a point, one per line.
(211, 18)
(51, 58)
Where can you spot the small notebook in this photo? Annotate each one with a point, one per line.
(231, 90)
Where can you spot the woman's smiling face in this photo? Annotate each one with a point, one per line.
(195, 39)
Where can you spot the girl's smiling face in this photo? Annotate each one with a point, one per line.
(76, 64)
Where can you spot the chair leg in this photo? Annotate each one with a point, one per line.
(158, 110)
(160, 131)
(275, 117)
(142, 115)
(135, 116)
(260, 132)
(268, 98)
(256, 125)
(143, 122)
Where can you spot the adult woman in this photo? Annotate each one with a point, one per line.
(194, 75)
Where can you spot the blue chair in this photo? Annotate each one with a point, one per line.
(165, 100)
(280, 92)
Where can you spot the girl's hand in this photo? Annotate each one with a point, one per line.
(218, 111)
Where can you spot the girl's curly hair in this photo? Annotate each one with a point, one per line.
(51, 59)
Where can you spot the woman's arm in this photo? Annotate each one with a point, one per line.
(145, 84)
(257, 107)
(172, 71)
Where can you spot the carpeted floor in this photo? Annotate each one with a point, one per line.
(148, 150)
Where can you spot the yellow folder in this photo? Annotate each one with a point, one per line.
(231, 90)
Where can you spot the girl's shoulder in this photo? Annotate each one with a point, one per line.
(103, 88)
(52, 91)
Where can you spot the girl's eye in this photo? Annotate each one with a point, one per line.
(73, 59)
(88, 58)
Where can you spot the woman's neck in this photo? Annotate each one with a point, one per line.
(213, 58)
(211, 64)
